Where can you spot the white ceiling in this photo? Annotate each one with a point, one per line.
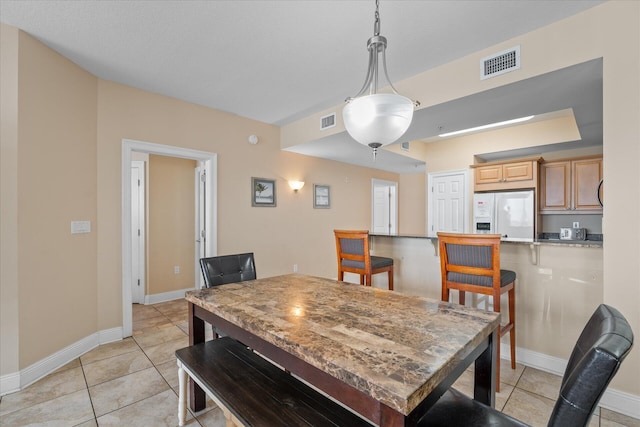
(278, 61)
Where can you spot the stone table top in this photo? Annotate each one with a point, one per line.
(392, 346)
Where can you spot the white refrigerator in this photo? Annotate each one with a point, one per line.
(509, 213)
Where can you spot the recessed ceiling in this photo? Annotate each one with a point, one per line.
(272, 61)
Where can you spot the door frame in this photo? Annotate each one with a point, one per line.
(141, 256)
(468, 194)
(209, 161)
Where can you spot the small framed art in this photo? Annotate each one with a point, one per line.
(263, 192)
(321, 196)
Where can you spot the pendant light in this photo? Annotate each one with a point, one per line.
(377, 119)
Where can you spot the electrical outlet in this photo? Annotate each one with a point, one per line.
(576, 224)
(295, 268)
(176, 269)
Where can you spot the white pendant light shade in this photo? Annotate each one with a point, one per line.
(379, 119)
(372, 118)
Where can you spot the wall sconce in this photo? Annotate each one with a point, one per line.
(253, 139)
(296, 185)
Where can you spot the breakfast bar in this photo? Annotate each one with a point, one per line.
(387, 355)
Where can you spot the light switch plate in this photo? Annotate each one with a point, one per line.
(80, 227)
(576, 224)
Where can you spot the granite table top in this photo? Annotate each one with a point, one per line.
(392, 346)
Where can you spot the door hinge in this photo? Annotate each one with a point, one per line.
(203, 177)
(138, 282)
(138, 183)
(138, 232)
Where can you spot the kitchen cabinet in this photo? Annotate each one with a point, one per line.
(570, 186)
(508, 175)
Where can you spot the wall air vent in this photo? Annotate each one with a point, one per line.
(500, 63)
(405, 146)
(327, 122)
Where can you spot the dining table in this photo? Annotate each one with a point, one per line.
(386, 355)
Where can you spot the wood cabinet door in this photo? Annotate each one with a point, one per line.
(488, 174)
(555, 186)
(517, 171)
(586, 177)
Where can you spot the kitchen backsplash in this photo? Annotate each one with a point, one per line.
(553, 223)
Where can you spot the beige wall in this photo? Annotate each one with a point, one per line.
(412, 201)
(53, 271)
(171, 213)
(610, 31)
(9, 331)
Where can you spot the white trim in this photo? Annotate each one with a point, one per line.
(166, 296)
(19, 380)
(209, 161)
(614, 400)
(9, 383)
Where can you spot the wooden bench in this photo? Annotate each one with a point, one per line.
(251, 391)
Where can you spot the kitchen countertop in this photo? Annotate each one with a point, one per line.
(545, 239)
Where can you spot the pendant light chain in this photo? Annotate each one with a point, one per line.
(376, 23)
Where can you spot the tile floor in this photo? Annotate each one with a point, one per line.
(134, 382)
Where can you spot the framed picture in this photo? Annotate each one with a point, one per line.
(321, 196)
(263, 192)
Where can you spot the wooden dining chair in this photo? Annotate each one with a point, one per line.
(352, 248)
(597, 355)
(471, 263)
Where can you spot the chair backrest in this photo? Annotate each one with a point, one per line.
(220, 270)
(352, 248)
(604, 343)
(472, 259)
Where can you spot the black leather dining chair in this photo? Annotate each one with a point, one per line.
(224, 269)
(604, 343)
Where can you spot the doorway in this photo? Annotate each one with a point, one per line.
(448, 202)
(384, 207)
(208, 164)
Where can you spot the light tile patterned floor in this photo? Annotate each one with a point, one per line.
(134, 382)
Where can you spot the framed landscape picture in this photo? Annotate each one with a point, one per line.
(321, 196)
(263, 192)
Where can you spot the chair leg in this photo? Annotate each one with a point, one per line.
(340, 275)
(445, 293)
(512, 320)
(362, 280)
(498, 366)
(496, 308)
(461, 297)
(391, 279)
(367, 281)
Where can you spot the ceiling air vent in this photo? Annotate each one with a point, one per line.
(327, 122)
(500, 63)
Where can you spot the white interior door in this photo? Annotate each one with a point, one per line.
(448, 205)
(201, 215)
(137, 232)
(384, 209)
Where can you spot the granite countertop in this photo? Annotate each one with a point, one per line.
(391, 346)
(546, 239)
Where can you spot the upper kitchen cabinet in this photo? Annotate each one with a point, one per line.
(506, 175)
(570, 186)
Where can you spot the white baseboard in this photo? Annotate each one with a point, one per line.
(614, 400)
(18, 380)
(166, 296)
